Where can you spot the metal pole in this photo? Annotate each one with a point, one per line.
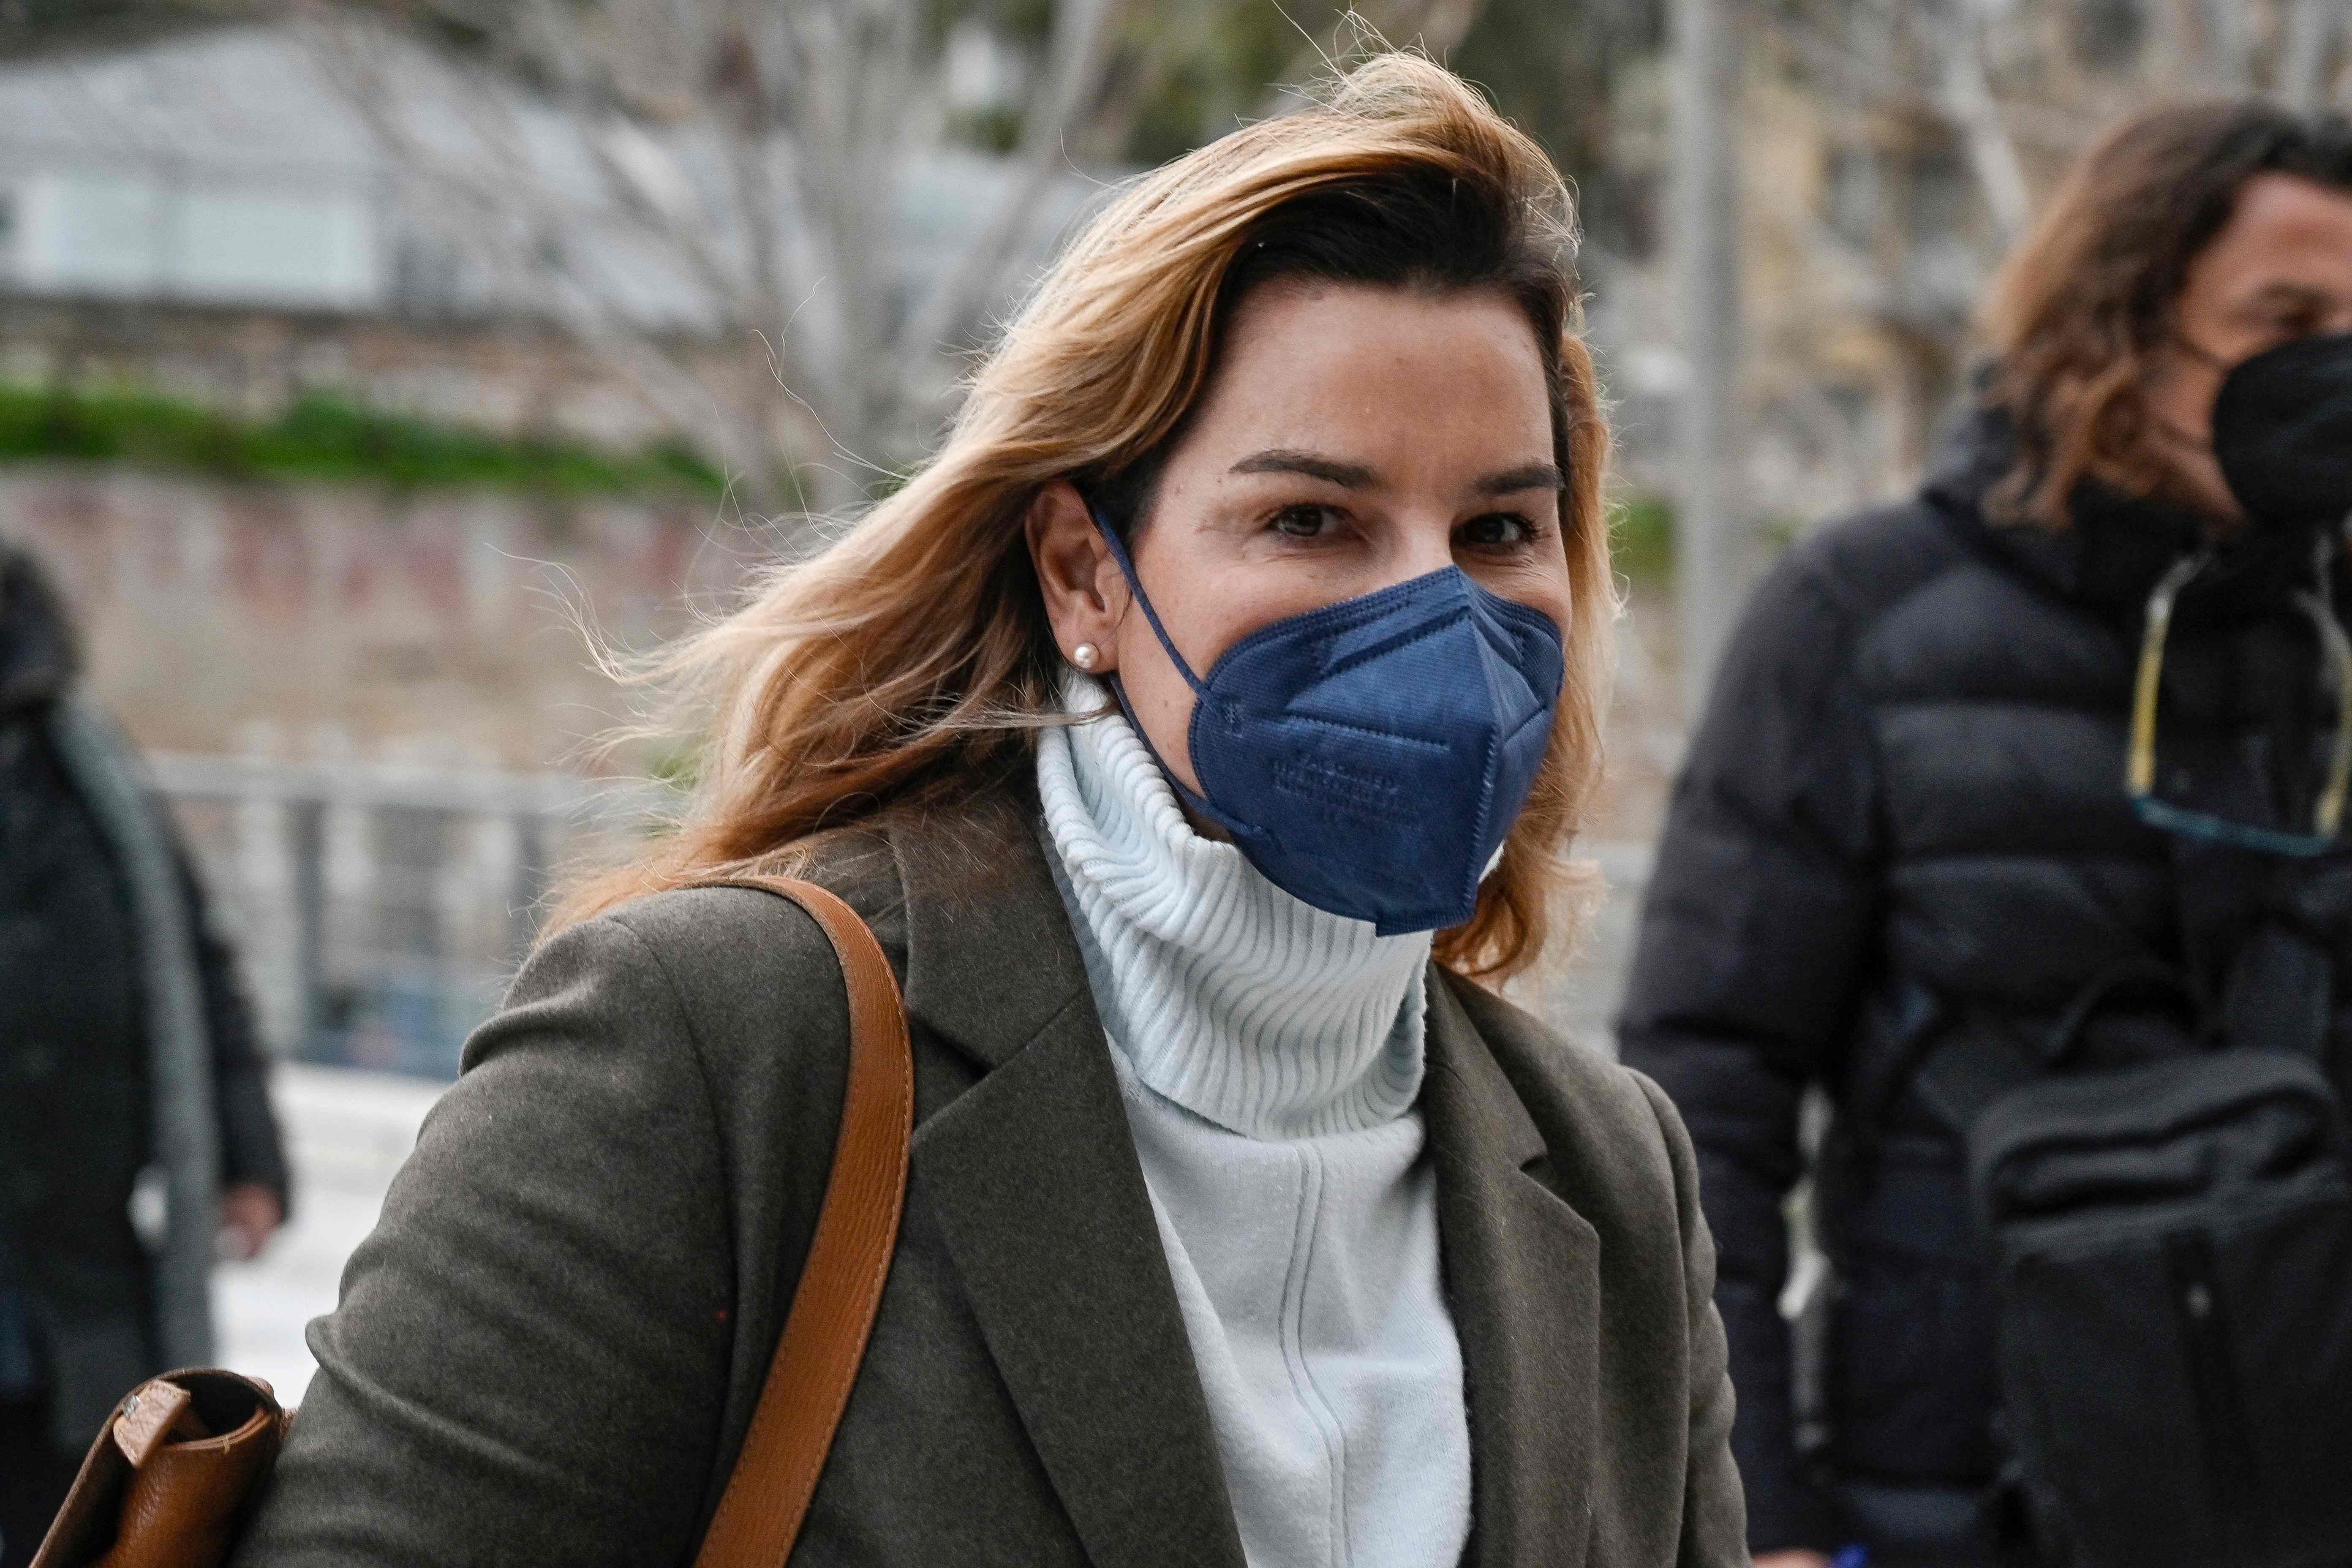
(1710, 533)
(2229, 46)
(529, 880)
(2311, 26)
(306, 823)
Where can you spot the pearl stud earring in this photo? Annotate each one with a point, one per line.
(1084, 656)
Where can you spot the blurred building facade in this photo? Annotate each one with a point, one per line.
(224, 216)
(211, 213)
(372, 703)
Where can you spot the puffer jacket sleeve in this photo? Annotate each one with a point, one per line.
(1756, 930)
(531, 1349)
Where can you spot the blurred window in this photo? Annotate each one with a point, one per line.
(312, 249)
(134, 232)
(93, 233)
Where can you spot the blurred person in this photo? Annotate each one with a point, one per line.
(1201, 732)
(134, 1118)
(1903, 836)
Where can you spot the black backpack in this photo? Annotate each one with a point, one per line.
(2169, 1247)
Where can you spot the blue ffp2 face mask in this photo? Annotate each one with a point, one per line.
(1370, 757)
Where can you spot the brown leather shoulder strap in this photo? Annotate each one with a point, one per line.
(823, 1341)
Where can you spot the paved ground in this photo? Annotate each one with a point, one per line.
(346, 1134)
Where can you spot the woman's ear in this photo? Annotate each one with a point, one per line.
(1085, 591)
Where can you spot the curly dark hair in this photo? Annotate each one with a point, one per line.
(2089, 292)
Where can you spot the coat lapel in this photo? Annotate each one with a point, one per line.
(1523, 1278)
(1033, 1175)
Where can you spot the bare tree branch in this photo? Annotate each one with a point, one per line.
(1967, 98)
(1432, 25)
(1080, 55)
(746, 150)
(495, 209)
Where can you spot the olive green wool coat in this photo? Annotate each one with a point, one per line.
(549, 1348)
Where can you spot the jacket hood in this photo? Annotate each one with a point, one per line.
(2116, 546)
(39, 656)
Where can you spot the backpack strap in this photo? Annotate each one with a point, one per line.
(824, 1339)
(1963, 1075)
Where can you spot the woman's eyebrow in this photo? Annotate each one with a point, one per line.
(1528, 476)
(1358, 477)
(1282, 460)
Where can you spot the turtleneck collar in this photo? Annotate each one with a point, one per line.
(1262, 1014)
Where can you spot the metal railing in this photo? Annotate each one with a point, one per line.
(380, 910)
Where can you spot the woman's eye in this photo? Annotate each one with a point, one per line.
(1302, 522)
(1496, 528)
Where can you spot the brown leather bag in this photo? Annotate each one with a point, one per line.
(168, 1479)
(177, 1466)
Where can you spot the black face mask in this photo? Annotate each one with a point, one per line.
(2282, 433)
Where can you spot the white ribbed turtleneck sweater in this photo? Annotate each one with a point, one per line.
(1269, 1055)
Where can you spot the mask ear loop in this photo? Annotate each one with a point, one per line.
(1192, 797)
(1135, 586)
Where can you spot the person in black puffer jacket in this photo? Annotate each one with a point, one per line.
(1904, 814)
(134, 1111)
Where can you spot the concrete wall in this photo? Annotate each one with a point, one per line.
(329, 622)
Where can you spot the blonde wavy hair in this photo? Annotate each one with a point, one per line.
(911, 659)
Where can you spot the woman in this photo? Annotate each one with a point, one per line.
(1904, 830)
(1242, 1225)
